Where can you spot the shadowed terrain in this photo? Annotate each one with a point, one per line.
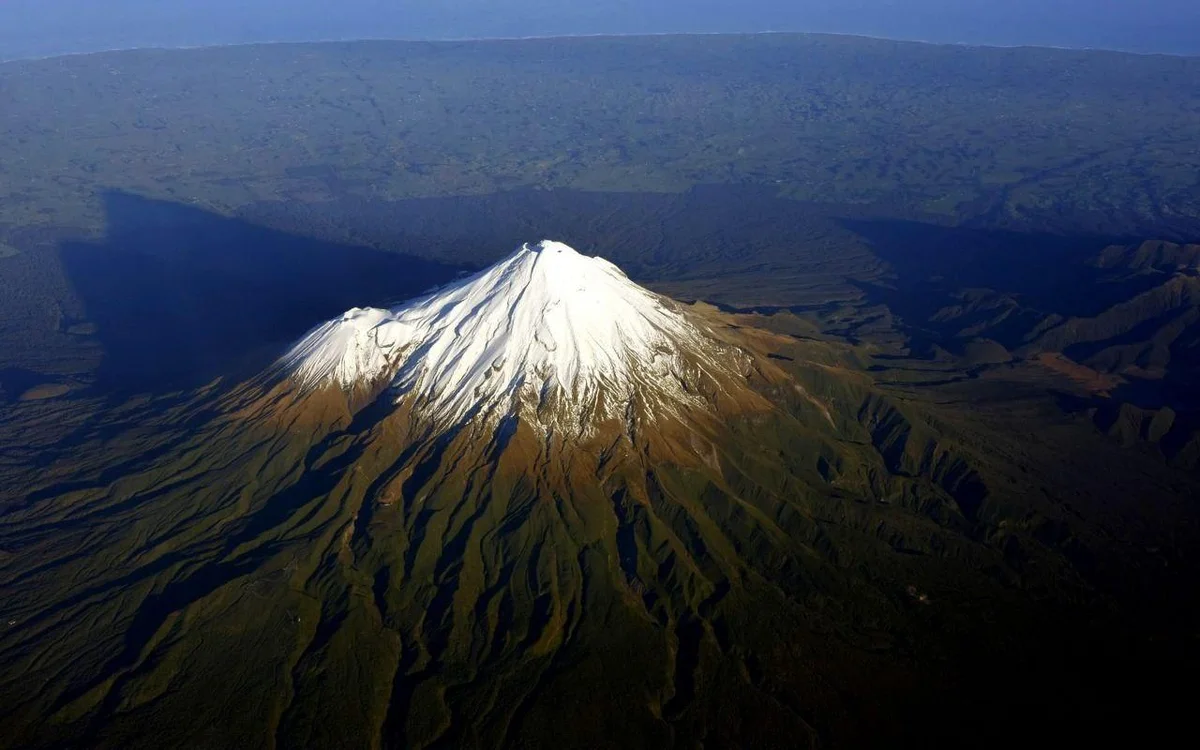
(176, 295)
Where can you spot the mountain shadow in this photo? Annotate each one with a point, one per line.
(934, 266)
(179, 295)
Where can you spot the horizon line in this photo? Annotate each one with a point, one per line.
(568, 36)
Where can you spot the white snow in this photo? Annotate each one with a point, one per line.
(346, 350)
(544, 323)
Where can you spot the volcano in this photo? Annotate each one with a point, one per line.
(547, 336)
(541, 506)
(548, 358)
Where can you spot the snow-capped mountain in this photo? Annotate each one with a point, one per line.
(559, 338)
(486, 492)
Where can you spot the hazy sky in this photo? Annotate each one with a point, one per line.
(42, 27)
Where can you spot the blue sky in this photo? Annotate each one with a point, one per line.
(41, 27)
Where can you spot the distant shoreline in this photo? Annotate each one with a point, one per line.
(550, 37)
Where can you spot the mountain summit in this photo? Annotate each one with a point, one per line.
(547, 334)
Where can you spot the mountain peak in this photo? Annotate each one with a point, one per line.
(552, 247)
(546, 333)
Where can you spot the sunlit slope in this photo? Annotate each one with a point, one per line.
(284, 567)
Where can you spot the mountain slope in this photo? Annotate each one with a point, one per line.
(768, 550)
